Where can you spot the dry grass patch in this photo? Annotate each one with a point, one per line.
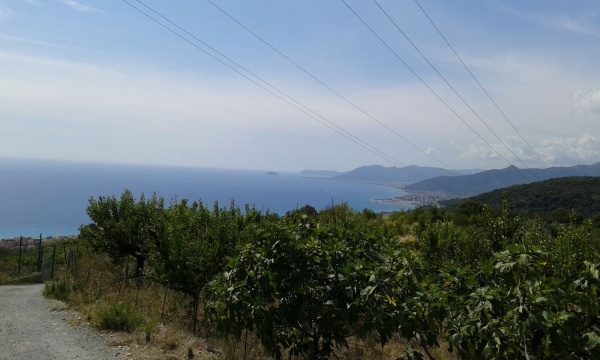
(369, 347)
(406, 238)
(169, 339)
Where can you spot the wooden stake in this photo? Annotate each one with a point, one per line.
(39, 267)
(53, 253)
(162, 312)
(20, 252)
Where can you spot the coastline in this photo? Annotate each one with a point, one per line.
(412, 198)
(418, 199)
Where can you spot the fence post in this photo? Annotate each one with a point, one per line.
(162, 312)
(40, 255)
(20, 252)
(137, 295)
(53, 253)
(195, 315)
(121, 284)
(65, 253)
(75, 265)
(245, 343)
(98, 293)
(87, 279)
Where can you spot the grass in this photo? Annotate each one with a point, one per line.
(59, 289)
(118, 317)
(4, 279)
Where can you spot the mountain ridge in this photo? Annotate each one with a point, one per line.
(461, 183)
(489, 180)
(579, 193)
(394, 175)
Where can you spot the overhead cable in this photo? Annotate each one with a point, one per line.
(298, 106)
(427, 85)
(478, 83)
(330, 88)
(451, 87)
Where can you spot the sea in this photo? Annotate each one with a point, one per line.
(49, 198)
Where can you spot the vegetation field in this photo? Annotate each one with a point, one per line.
(557, 196)
(187, 280)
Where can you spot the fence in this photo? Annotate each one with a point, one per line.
(37, 259)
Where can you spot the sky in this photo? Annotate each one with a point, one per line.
(286, 85)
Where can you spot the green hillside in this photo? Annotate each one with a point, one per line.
(482, 182)
(581, 194)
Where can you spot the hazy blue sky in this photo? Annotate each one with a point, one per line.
(99, 81)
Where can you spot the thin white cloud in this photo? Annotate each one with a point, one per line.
(477, 150)
(583, 24)
(588, 102)
(34, 2)
(174, 118)
(75, 5)
(34, 42)
(6, 13)
(113, 109)
(575, 149)
(557, 151)
(430, 151)
(580, 26)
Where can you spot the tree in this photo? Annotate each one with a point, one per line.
(124, 227)
(406, 304)
(301, 285)
(501, 230)
(194, 244)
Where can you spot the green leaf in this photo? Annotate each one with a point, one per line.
(593, 339)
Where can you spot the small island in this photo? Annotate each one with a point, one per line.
(272, 173)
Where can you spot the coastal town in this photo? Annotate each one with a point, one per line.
(419, 199)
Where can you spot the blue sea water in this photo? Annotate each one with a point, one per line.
(50, 197)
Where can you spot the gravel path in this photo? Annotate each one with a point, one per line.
(31, 327)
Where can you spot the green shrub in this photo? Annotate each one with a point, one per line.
(58, 290)
(4, 279)
(120, 317)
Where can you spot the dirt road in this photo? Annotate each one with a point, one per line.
(32, 327)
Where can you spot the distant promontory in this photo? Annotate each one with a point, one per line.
(321, 173)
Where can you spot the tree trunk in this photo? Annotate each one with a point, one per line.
(314, 353)
(195, 310)
(139, 267)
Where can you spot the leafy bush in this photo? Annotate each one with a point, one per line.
(444, 245)
(304, 287)
(489, 284)
(119, 316)
(4, 279)
(523, 314)
(58, 290)
(574, 246)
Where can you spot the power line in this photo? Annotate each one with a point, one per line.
(330, 124)
(452, 87)
(339, 130)
(298, 107)
(329, 87)
(426, 85)
(478, 83)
